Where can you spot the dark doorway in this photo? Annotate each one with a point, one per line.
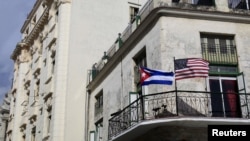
(224, 97)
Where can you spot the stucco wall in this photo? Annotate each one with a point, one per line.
(94, 27)
(182, 37)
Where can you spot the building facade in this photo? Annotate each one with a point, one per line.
(120, 109)
(4, 116)
(60, 40)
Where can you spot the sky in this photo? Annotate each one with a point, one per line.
(13, 13)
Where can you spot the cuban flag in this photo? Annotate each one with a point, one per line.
(149, 76)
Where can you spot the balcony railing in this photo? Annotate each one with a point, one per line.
(218, 54)
(180, 104)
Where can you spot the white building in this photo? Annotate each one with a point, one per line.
(60, 40)
(4, 116)
(119, 109)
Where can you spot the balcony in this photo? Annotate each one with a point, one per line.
(191, 108)
(218, 54)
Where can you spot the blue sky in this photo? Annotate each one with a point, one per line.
(13, 13)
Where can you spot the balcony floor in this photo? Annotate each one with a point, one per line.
(147, 125)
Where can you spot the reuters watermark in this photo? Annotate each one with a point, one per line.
(241, 132)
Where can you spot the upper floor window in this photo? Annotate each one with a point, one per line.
(99, 103)
(196, 2)
(34, 19)
(239, 4)
(133, 12)
(27, 31)
(219, 49)
(140, 60)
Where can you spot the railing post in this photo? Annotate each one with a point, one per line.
(176, 101)
(142, 106)
(120, 42)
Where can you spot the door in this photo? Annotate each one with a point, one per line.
(224, 97)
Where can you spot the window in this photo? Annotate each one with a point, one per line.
(33, 134)
(140, 60)
(239, 4)
(99, 103)
(9, 136)
(23, 131)
(53, 54)
(99, 130)
(27, 31)
(57, 14)
(219, 49)
(34, 19)
(196, 2)
(48, 112)
(224, 97)
(36, 91)
(48, 120)
(134, 111)
(92, 136)
(204, 2)
(133, 13)
(175, 1)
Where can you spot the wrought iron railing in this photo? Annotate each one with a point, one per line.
(219, 54)
(180, 103)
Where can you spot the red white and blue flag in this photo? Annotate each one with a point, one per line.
(150, 76)
(191, 67)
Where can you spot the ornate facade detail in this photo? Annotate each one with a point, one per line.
(21, 52)
(38, 27)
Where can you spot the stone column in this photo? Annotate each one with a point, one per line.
(61, 72)
(22, 60)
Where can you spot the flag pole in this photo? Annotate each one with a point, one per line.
(175, 84)
(141, 96)
(176, 99)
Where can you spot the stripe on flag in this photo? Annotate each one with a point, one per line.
(191, 67)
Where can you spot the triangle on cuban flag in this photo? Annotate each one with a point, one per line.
(144, 75)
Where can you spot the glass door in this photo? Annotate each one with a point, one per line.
(224, 97)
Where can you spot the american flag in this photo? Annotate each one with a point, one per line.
(190, 67)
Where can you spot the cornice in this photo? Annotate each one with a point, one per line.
(28, 41)
(38, 27)
(31, 14)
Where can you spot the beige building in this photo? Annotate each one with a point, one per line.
(4, 116)
(218, 31)
(60, 40)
